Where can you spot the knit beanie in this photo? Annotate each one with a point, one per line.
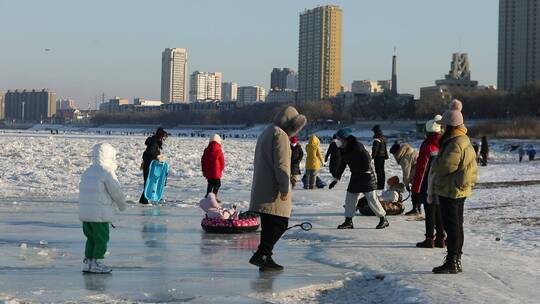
(452, 116)
(294, 140)
(392, 181)
(216, 138)
(433, 126)
(344, 133)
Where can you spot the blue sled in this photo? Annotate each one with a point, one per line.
(157, 179)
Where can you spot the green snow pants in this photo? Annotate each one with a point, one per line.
(97, 236)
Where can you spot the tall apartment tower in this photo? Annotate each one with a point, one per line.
(2, 105)
(283, 79)
(30, 105)
(319, 53)
(229, 91)
(519, 43)
(205, 86)
(174, 75)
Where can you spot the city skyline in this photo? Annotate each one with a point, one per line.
(89, 57)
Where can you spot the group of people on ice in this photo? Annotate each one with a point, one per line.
(441, 175)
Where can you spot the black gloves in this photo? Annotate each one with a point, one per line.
(332, 184)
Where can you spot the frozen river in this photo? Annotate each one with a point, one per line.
(161, 254)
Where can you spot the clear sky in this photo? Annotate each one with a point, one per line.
(114, 46)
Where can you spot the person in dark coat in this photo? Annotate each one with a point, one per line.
(484, 151)
(362, 181)
(531, 152)
(297, 154)
(334, 154)
(153, 144)
(379, 155)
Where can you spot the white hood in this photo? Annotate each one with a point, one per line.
(104, 155)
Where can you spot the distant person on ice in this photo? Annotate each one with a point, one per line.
(314, 161)
(453, 174)
(334, 154)
(271, 189)
(213, 164)
(99, 194)
(297, 154)
(154, 145)
(406, 157)
(521, 153)
(531, 152)
(362, 181)
(428, 152)
(484, 151)
(379, 155)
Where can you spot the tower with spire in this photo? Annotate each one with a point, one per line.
(394, 73)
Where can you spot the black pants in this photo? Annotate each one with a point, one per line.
(434, 220)
(272, 228)
(452, 215)
(146, 170)
(379, 169)
(483, 159)
(213, 186)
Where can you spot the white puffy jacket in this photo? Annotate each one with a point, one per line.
(99, 189)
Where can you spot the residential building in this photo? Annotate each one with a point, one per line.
(65, 104)
(205, 86)
(519, 43)
(438, 92)
(174, 75)
(114, 105)
(283, 79)
(371, 86)
(284, 96)
(2, 106)
(319, 53)
(251, 94)
(229, 91)
(30, 105)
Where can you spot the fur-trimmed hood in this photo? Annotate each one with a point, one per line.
(290, 121)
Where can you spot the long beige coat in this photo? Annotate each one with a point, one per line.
(272, 164)
(406, 158)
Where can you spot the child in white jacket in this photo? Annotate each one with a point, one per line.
(99, 192)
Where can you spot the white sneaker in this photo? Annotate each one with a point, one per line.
(86, 265)
(98, 267)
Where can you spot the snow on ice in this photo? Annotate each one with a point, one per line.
(160, 254)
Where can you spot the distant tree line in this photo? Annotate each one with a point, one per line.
(479, 104)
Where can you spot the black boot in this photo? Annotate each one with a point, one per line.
(347, 224)
(458, 263)
(449, 266)
(429, 242)
(270, 265)
(258, 259)
(383, 223)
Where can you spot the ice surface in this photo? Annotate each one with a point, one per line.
(162, 255)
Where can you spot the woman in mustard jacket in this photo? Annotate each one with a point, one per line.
(314, 161)
(452, 177)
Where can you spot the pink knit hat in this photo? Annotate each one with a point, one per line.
(452, 116)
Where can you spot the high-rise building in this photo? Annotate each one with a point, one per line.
(205, 86)
(174, 75)
(29, 105)
(2, 105)
(283, 79)
(251, 94)
(319, 53)
(519, 43)
(65, 104)
(229, 91)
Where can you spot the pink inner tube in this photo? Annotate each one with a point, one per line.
(249, 222)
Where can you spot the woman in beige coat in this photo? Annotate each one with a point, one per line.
(270, 192)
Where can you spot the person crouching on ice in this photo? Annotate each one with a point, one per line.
(213, 163)
(363, 179)
(99, 193)
(271, 189)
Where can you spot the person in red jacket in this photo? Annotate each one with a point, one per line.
(428, 151)
(213, 163)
